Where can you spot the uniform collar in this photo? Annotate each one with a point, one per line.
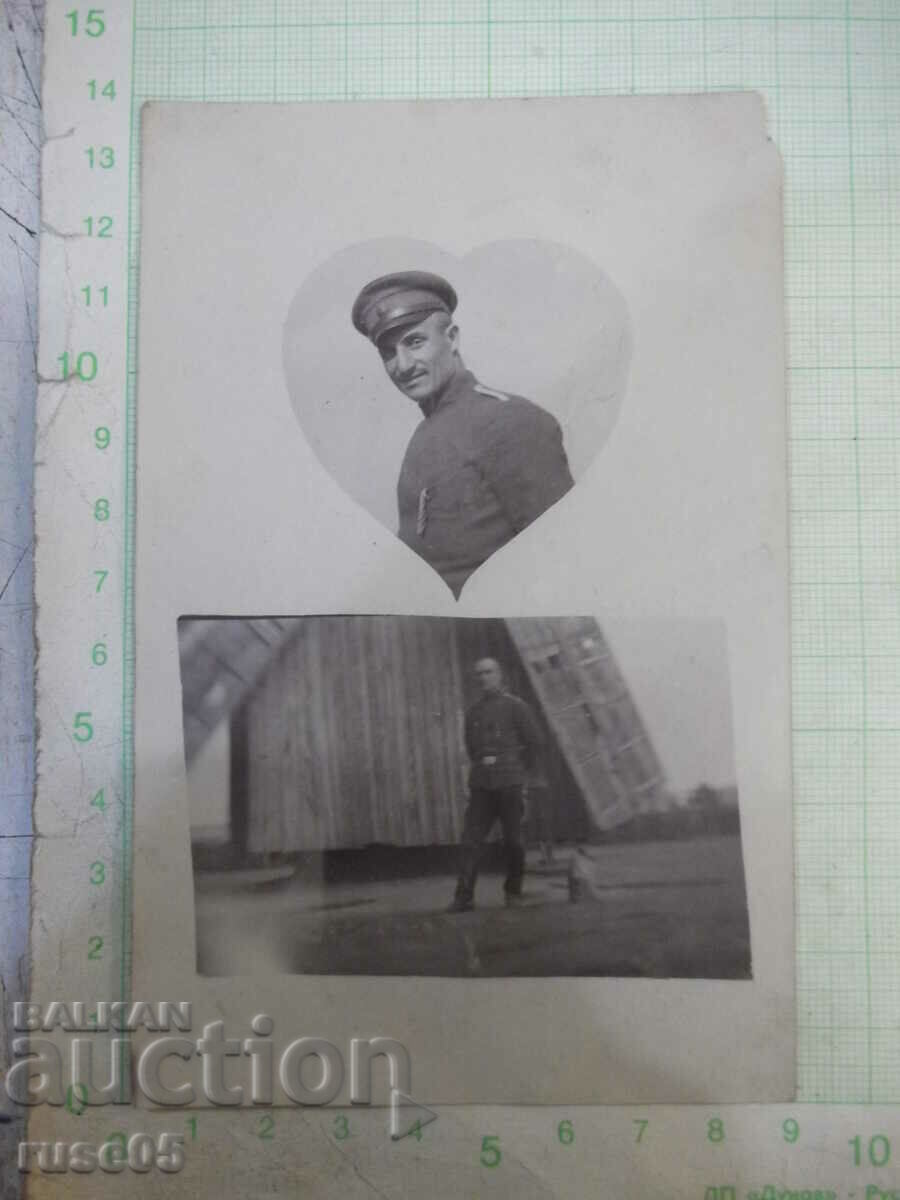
(458, 386)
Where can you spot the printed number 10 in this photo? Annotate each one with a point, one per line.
(879, 1150)
(85, 365)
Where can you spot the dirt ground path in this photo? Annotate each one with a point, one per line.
(658, 910)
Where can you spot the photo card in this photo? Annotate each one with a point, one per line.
(462, 710)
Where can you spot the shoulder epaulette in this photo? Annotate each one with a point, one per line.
(486, 391)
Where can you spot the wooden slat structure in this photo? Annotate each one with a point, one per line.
(347, 731)
(590, 709)
(221, 660)
(354, 737)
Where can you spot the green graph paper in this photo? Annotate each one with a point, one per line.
(830, 74)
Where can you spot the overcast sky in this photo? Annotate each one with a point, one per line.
(678, 676)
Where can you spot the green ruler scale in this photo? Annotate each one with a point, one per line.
(830, 74)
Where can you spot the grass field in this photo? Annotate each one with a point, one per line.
(659, 909)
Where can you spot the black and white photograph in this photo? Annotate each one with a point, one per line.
(481, 388)
(461, 577)
(478, 797)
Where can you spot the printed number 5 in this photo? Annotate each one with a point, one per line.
(490, 1152)
(82, 728)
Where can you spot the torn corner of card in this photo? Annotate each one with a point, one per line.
(462, 680)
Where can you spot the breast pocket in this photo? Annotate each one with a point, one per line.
(458, 489)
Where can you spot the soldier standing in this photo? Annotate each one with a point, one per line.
(483, 464)
(503, 741)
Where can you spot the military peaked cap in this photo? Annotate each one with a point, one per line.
(402, 299)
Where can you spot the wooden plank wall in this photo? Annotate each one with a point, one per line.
(354, 736)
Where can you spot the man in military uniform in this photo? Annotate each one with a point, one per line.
(482, 465)
(504, 743)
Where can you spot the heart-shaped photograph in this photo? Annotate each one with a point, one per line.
(457, 399)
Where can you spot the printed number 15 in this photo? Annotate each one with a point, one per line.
(94, 25)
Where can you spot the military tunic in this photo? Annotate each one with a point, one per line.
(503, 741)
(478, 469)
